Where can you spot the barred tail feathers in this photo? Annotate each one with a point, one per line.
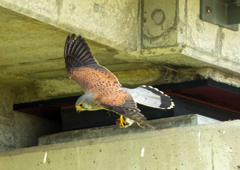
(149, 96)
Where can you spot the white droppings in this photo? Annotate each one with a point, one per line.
(223, 132)
(45, 158)
(199, 141)
(78, 158)
(142, 152)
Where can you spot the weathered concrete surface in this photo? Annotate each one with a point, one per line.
(151, 76)
(34, 50)
(207, 42)
(181, 33)
(218, 76)
(160, 19)
(122, 35)
(131, 78)
(179, 121)
(28, 129)
(114, 23)
(6, 99)
(6, 119)
(209, 146)
(53, 88)
(18, 130)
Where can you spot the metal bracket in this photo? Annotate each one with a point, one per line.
(225, 13)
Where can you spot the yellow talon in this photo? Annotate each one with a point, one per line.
(122, 121)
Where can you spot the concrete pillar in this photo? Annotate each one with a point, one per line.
(28, 128)
(18, 130)
(6, 119)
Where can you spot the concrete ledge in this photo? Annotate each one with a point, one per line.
(179, 121)
(122, 26)
(209, 146)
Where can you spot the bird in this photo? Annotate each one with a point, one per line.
(103, 90)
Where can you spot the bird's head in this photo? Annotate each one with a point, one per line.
(84, 103)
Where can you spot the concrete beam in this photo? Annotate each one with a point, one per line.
(121, 17)
(197, 147)
(139, 26)
(43, 89)
(218, 76)
(55, 88)
(98, 132)
(132, 78)
(122, 35)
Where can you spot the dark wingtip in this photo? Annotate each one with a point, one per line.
(73, 37)
(66, 46)
(167, 104)
(77, 53)
(166, 101)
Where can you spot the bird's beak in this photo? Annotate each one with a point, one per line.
(79, 108)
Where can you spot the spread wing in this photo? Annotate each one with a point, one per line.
(82, 67)
(77, 54)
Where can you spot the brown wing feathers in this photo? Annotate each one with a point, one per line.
(77, 53)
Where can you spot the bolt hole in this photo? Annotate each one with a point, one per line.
(158, 16)
(208, 10)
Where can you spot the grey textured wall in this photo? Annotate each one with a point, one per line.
(18, 130)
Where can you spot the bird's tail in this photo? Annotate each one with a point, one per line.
(149, 96)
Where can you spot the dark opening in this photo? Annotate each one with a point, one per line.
(205, 97)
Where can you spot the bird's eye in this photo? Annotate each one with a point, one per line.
(81, 105)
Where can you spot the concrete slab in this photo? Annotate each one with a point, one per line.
(69, 136)
(122, 35)
(208, 146)
(114, 23)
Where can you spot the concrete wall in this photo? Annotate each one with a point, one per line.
(6, 119)
(18, 130)
(142, 35)
(113, 22)
(202, 147)
(28, 129)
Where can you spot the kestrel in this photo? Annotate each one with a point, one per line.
(102, 89)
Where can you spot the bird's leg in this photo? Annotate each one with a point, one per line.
(139, 125)
(122, 121)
